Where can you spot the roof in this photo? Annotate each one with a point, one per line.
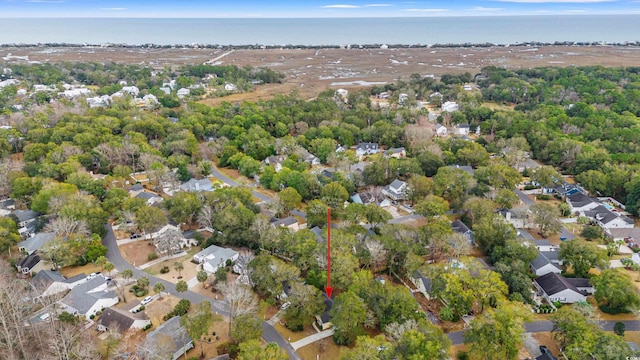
(541, 261)
(328, 304)
(462, 126)
(466, 168)
(426, 282)
(136, 187)
(395, 150)
(579, 199)
(7, 203)
(84, 296)
(367, 145)
(546, 356)
(579, 282)
(553, 283)
(47, 277)
(147, 195)
(215, 254)
(121, 320)
(278, 159)
(36, 242)
(197, 185)
(625, 233)
(542, 242)
(173, 330)
(29, 261)
(397, 184)
(25, 215)
(288, 221)
(459, 227)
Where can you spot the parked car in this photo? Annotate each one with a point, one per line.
(93, 275)
(146, 300)
(285, 306)
(135, 236)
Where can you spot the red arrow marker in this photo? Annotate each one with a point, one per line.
(328, 288)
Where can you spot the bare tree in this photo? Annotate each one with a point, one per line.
(64, 227)
(241, 300)
(169, 242)
(377, 251)
(457, 245)
(205, 217)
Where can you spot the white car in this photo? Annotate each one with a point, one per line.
(146, 300)
(285, 306)
(93, 276)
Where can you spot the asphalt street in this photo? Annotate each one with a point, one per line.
(269, 333)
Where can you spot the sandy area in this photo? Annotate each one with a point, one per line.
(309, 71)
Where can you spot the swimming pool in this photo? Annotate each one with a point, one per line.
(608, 206)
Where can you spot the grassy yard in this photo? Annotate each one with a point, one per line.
(324, 349)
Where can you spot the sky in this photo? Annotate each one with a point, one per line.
(308, 8)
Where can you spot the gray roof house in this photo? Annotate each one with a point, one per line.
(580, 202)
(289, 221)
(422, 283)
(170, 336)
(630, 235)
(460, 227)
(88, 298)
(48, 282)
(27, 264)
(555, 287)
(121, 320)
(544, 263)
(275, 161)
(367, 148)
(25, 216)
(607, 219)
(35, 242)
(149, 197)
(197, 185)
(396, 152)
(396, 190)
(214, 257)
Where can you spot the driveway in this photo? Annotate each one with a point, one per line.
(113, 254)
(227, 180)
(527, 201)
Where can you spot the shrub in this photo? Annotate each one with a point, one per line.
(92, 317)
(529, 187)
(619, 328)
(181, 307)
(543, 197)
(141, 308)
(557, 304)
(164, 270)
(612, 310)
(447, 314)
(152, 256)
(67, 317)
(147, 327)
(463, 355)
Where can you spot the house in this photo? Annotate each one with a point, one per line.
(182, 92)
(367, 148)
(566, 189)
(631, 236)
(422, 283)
(36, 242)
(460, 228)
(309, 158)
(27, 264)
(25, 217)
(396, 190)
(194, 185)
(48, 282)
(319, 233)
(342, 94)
(7, 206)
(214, 257)
(230, 87)
(545, 245)
(99, 101)
(149, 197)
(402, 98)
(120, 320)
(555, 287)
(324, 320)
(518, 217)
(169, 239)
(607, 219)
(275, 161)
(450, 106)
(289, 222)
(131, 90)
(462, 129)
(88, 298)
(466, 168)
(580, 203)
(397, 153)
(441, 130)
(170, 338)
(543, 264)
(371, 197)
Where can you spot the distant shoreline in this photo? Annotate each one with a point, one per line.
(293, 47)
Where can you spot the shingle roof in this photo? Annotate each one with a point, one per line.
(426, 282)
(36, 242)
(579, 199)
(459, 227)
(120, 320)
(579, 282)
(136, 187)
(553, 283)
(47, 277)
(626, 233)
(83, 296)
(197, 185)
(146, 195)
(288, 221)
(396, 184)
(28, 262)
(541, 261)
(25, 215)
(173, 330)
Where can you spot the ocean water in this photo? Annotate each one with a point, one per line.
(324, 31)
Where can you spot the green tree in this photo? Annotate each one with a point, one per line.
(498, 334)
(506, 198)
(546, 217)
(316, 213)
(158, 288)
(348, 314)
(432, 205)
(582, 256)
(183, 207)
(202, 277)
(545, 176)
(418, 187)
(198, 322)
(368, 349)
(109, 267)
(251, 350)
(306, 301)
(9, 235)
(290, 199)
(452, 184)
(590, 232)
(334, 195)
(615, 292)
(245, 328)
(179, 266)
(181, 286)
(149, 218)
(619, 328)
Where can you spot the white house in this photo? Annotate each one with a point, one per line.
(88, 298)
(289, 222)
(367, 148)
(99, 101)
(149, 197)
(182, 92)
(631, 236)
(580, 203)
(170, 336)
(36, 242)
(441, 130)
(27, 264)
(555, 287)
(462, 129)
(275, 161)
(607, 219)
(9, 82)
(194, 185)
(396, 190)
(131, 90)
(450, 106)
(545, 245)
(47, 282)
(214, 257)
(230, 87)
(543, 264)
(397, 153)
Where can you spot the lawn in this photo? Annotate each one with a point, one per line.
(190, 269)
(71, 271)
(324, 349)
(292, 336)
(137, 252)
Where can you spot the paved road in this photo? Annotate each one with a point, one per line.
(269, 333)
(546, 326)
(224, 178)
(406, 218)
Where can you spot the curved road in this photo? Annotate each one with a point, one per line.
(269, 333)
(547, 326)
